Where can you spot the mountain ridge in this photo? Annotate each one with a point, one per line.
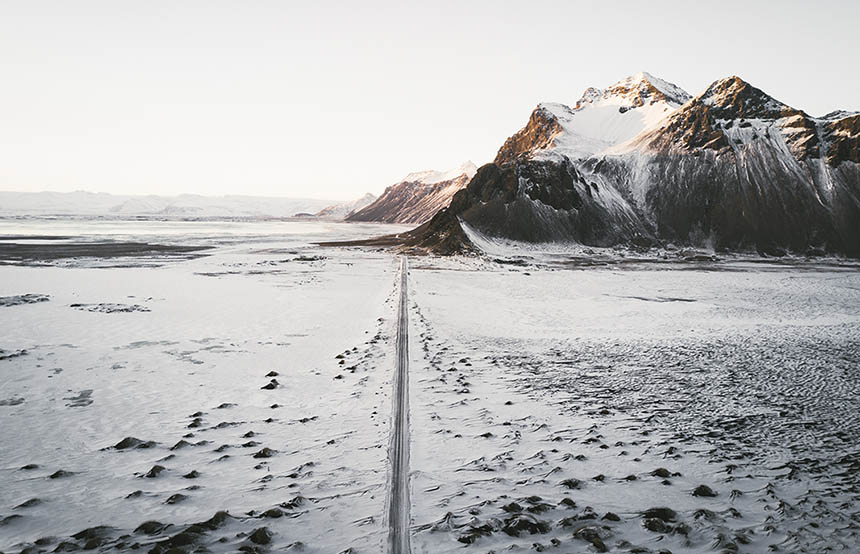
(731, 168)
(417, 197)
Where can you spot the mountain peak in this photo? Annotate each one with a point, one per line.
(732, 97)
(644, 89)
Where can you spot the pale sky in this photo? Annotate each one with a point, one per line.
(331, 99)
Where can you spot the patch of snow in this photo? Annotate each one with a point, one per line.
(431, 177)
(604, 118)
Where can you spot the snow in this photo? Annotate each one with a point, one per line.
(674, 92)
(342, 209)
(534, 384)
(431, 177)
(533, 379)
(604, 118)
(264, 300)
(185, 205)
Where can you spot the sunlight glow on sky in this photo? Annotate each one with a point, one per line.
(331, 99)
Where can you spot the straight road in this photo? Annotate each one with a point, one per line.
(398, 450)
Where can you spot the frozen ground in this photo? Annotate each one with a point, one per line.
(701, 408)
(174, 353)
(553, 406)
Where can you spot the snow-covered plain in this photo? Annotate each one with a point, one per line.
(187, 374)
(552, 404)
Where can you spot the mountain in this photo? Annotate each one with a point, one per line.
(417, 197)
(342, 210)
(80, 203)
(600, 119)
(731, 169)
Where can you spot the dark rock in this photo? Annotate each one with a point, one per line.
(704, 490)
(28, 503)
(273, 513)
(527, 523)
(591, 534)
(265, 452)
(663, 514)
(568, 502)
(99, 532)
(132, 442)
(215, 521)
(271, 385)
(512, 507)
(9, 519)
(587, 513)
(661, 472)
(154, 471)
(655, 524)
(151, 528)
(571, 483)
(474, 532)
(261, 535)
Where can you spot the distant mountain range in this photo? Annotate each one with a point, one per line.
(643, 163)
(417, 198)
(81, 203)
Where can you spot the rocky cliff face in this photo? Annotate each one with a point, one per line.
(417, 198)
(732, 169)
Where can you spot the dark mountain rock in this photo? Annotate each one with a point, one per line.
(538, 133)
(732, 169)
(417, 198)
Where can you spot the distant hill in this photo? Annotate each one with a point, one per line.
(342, 210)
(417, 197)
(81, 203)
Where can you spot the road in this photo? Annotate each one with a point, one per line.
(398, 451)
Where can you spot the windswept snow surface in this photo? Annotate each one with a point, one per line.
(185, 377)
(635, 408)
(554, 406)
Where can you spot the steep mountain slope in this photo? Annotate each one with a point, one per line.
(600, 119)
(342, 210)
(731, 169)
(418, 197)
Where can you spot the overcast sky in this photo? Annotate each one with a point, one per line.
(332, 99)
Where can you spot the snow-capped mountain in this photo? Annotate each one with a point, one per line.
(81, 203)
(732, 168)
(600, 119)
(417, 197)
(342, 210)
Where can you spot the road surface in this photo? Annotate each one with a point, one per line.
(398, 451)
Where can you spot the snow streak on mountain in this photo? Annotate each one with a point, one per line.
(642, 163)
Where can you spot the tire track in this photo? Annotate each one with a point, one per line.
(398, 451)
